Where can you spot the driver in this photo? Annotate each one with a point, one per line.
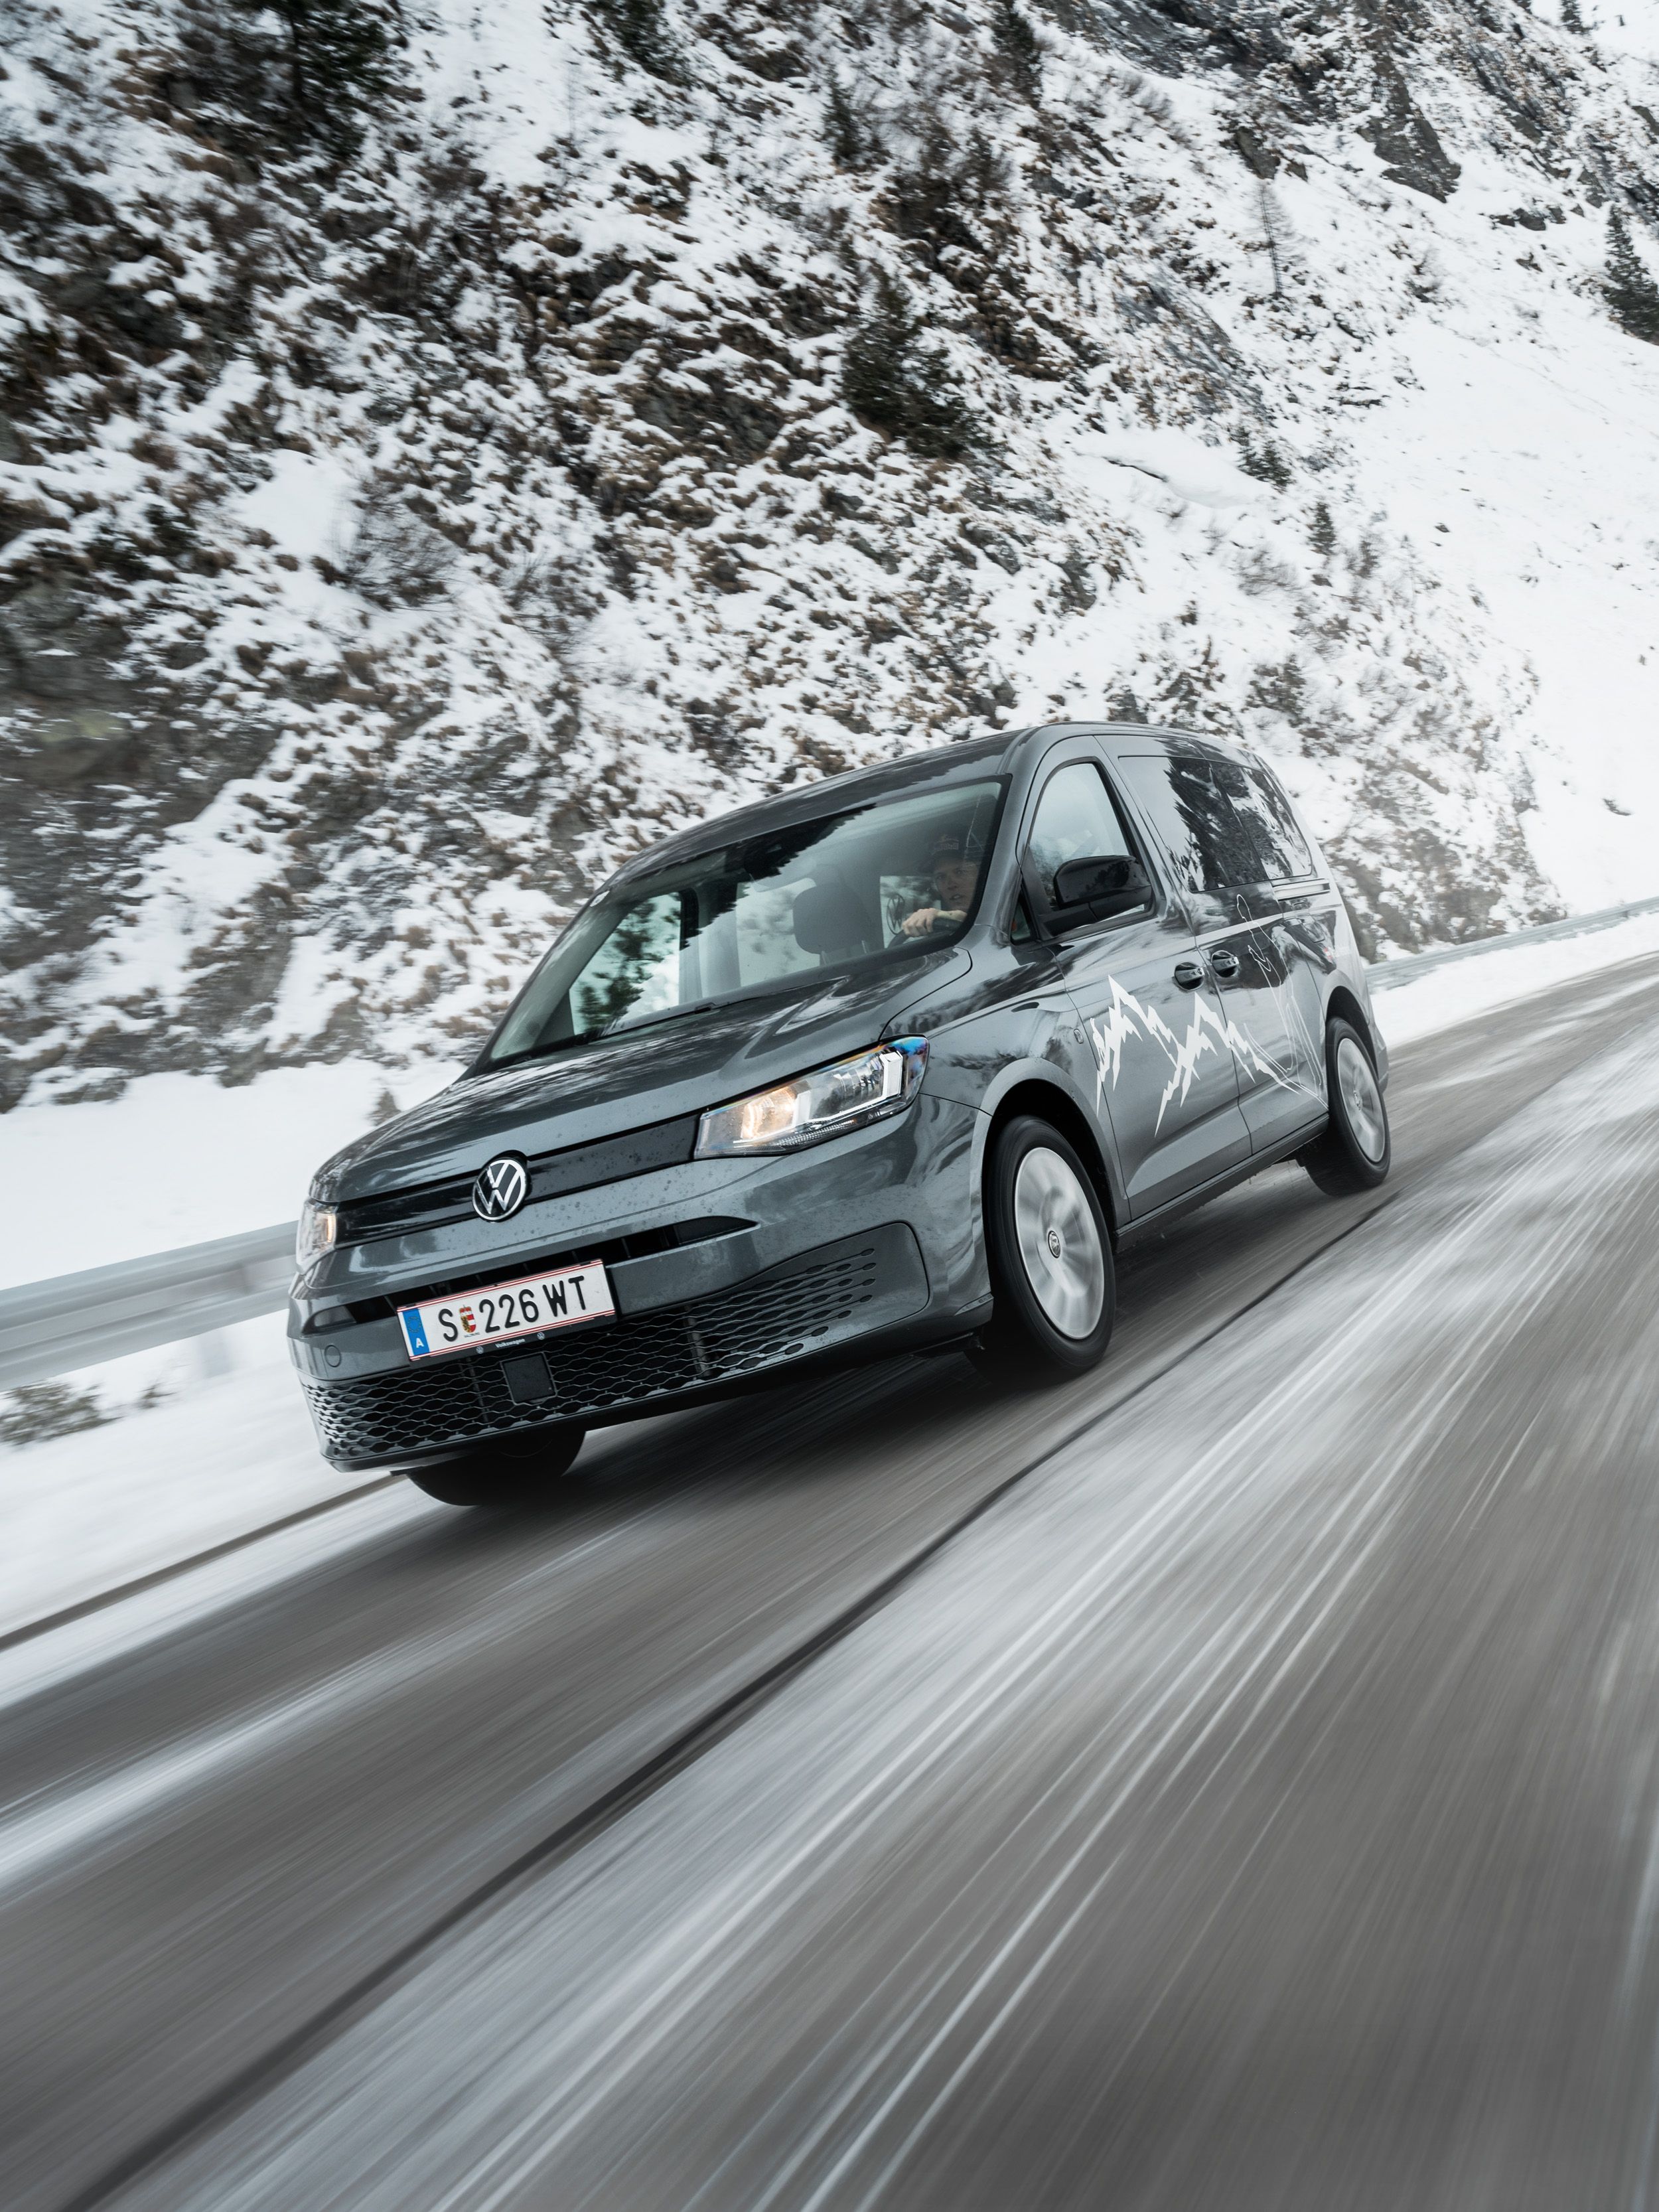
(955, 872)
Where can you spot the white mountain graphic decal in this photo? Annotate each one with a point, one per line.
(1127, 1017)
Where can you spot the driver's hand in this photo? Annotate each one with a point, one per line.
(919, 923)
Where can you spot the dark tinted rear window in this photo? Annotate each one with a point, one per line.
(1200, 825)
(1284, 849)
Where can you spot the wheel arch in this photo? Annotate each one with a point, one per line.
(1050, 1102)
(1342, 1005)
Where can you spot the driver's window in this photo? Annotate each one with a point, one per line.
(1076, 819)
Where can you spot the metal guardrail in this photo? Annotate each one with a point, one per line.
(74, 1320)
(1384, 974)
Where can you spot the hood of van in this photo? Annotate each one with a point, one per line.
(655, 1073)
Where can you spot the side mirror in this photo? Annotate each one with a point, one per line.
(1106, 887)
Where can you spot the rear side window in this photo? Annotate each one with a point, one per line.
(1284, 849)
(1203, 826)
(1076, 819)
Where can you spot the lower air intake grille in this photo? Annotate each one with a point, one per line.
(653, 1355)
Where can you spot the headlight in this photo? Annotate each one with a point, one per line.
(825, 1104)
(318, 1225)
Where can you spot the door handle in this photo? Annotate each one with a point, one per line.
(1225, 963)
(1188, 975)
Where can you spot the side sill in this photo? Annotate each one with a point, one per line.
(1229, 1179)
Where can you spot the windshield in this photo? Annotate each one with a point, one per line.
(875, 884)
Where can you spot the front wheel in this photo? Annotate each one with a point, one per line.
(1050, 1258)
(518, 1471)
(1355, 1149)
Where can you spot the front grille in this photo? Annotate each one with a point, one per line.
(427, 1206)
(623, 1363)
(641, 1244)
(552, 1175)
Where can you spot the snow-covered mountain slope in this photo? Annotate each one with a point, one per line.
(416, 495)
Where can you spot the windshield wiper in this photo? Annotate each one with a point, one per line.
(539, 1051)
(621, 1027)
(780, 986)
(623, 1024)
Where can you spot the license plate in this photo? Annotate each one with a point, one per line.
(563, 1299)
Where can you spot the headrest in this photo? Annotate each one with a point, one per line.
(830, 918)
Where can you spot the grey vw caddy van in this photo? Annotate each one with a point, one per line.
(891, 1060)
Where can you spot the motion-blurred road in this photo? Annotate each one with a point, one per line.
(1257, 1804)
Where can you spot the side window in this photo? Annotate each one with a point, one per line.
(1076, 819)
(1283, 847)
(1208, 838)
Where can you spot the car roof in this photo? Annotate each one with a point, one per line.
(939, 765)
(961, 762)
(1124, 740)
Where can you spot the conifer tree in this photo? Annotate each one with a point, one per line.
(901, 386)
(1017, 44)
(1264, 462)
(852, 145)
(639, 29)
(1630, 293)
(336, 54)
(339, 58)
(1572, 17)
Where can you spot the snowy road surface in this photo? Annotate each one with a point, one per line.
(1256, 1805)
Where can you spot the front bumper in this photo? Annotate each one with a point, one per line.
(809, 1305)
(871, 1236)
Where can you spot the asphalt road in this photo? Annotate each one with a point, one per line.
(1254, 1805)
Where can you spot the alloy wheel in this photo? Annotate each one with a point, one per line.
(1362, 1101)
(1059, 1243)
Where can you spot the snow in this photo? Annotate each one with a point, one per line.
(1507, 452)
(1623, 27)
(1194, 472)
(1464, 988)
(221, 1454)
(304, 503)
(178, 1159)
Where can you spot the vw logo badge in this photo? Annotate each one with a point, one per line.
(501, 1188)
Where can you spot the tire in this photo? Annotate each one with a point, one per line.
(1050, 1258)
(1355, 1151)
(517, 1471)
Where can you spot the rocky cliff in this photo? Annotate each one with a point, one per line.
(442, 447)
